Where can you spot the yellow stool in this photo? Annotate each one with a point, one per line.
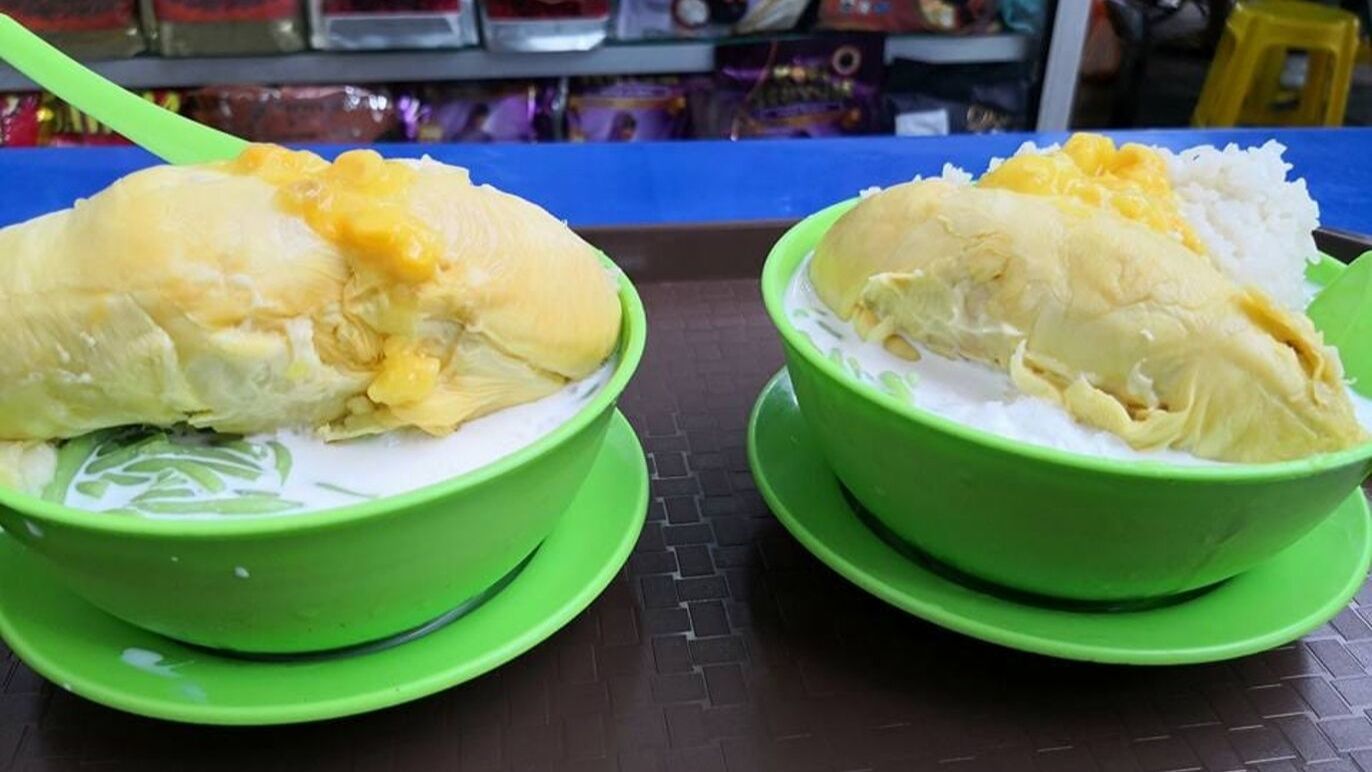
(1243, 80)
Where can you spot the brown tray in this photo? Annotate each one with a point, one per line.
(723, 645)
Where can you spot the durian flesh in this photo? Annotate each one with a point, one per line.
(283, 291)
(1121, 325)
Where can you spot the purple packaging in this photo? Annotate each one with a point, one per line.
(627, 109)
(505, 111)
(810, 87)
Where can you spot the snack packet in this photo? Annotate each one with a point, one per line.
(959, 98)
(809, 87)
(627, 109)
(323, 114)
(19, 120)
(497, 111)
(41, 119)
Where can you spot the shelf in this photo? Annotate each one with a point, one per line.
(476, 64)
(947, 49)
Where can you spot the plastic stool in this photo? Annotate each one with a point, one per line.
(1243, 80)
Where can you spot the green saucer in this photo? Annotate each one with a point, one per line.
(1275, 603)
(108, 661)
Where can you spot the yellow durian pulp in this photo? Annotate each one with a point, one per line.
(280, 290)
(1118, 322)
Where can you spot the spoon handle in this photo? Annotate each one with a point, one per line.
(164, 133)
(1343, 313)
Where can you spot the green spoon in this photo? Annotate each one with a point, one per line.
(163, 133)
(1343, 312)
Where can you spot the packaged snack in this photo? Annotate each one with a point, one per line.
(19, 120)
(808, 87)
(61, 125)
(626, 109)
(503, 111)
(544, 25)
(323, 114)
(958, 98)
(639, 19)
(224, 27)
(952, 17)
(89, 29)
(366, 24)
(771, 16)
(41, 119)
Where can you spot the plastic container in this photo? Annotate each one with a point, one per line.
(369, 24)
(646, 19)
(224, 27)
(92, 29)
(540, 26)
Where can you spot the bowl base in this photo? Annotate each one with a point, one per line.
(371, 647)
(111, 662)
(1278, 601)
(1011, 594)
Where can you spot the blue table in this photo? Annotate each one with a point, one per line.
(721, 181)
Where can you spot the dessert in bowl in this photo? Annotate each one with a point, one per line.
(1087, 375)
(280, 404)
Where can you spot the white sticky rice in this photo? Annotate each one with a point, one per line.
(1256, 224)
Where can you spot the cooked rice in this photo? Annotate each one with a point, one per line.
(1257, 224)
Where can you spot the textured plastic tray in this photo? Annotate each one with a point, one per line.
(724, 646)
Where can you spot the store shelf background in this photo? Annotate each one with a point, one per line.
(695, 56)
(1059, 51)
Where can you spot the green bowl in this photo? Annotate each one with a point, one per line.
(1040, 520)
(336, 578)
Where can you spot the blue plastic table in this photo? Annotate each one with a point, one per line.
(614, 184)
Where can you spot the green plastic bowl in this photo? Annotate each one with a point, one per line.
(1040, 520)
(330, 579)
